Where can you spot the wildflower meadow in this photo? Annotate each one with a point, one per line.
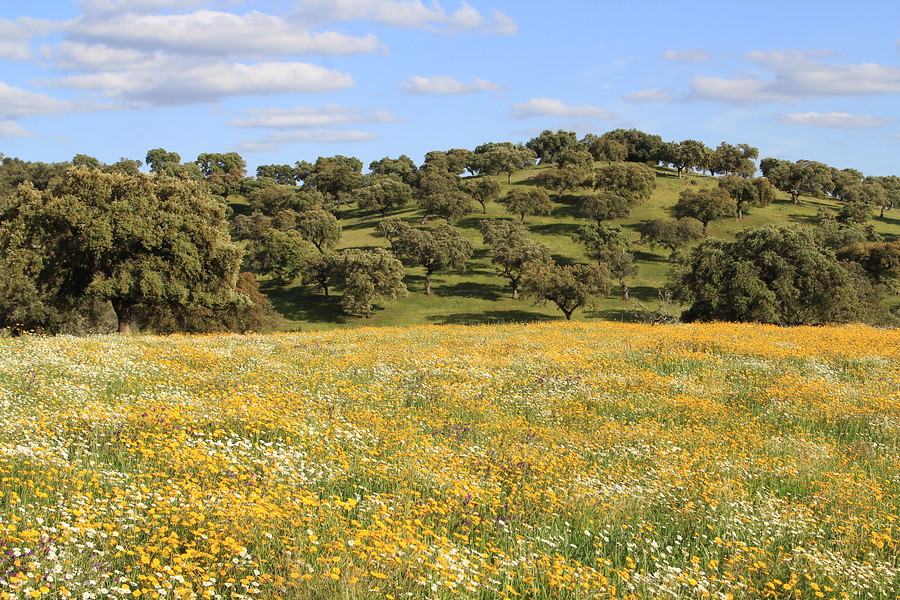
(546, 461)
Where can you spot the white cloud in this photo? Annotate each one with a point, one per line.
(11, 129)
(179, 84)
(303, 116)
(215, 33)
(410, 14)
(550, 107)
(835, 120)
(14, 50)
(15, 37)
(275, 141)
(75, 56)
(502, 24)
(650, 96)
(443, 85)
(16, 102)
(796, 76)
(138, 6)
(686, 56)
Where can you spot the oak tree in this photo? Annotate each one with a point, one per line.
(569, 287)
(128, 240)
(527, 201)
(442, 248)
(512, 249)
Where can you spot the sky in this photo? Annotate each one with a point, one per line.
(280, 81)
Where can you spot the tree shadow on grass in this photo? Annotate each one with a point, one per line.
(491, 317)
(555, 229)
(804, 219)
(361, 224)
(640, 255)
(301, 304)
(894, 222)
(563, 260)
(566, 211)
(643, 293)
(239, 208)
(470, 289)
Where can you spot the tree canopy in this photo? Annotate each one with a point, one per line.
(671, 233)
(806, 177)
(129, 240)
(777, 275)
(442, 248)
(367, 276)
(628, 180)
(705, 205)
(549, 144)
(512, 249)
(612, 248)
(527, 201)
(569, 287)
(320, 227)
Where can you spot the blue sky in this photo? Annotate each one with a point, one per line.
(288, 80)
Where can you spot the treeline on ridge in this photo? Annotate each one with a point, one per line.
(88, 246)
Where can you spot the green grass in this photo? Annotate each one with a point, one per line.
(480, 295)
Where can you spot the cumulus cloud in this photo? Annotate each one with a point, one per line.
(304, 116)
(208, 32)
(16, 102)
(550, 107)
(275, 141)
(443, 85)
(501, 24)
(835, 120)
(686, 56)
(75, 56)
(650, 96)
(180, 84)
(15, 37)
(411, 14)
(138, 6)
(11, 129)
(796, 76)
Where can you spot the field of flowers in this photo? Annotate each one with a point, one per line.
(523, 461)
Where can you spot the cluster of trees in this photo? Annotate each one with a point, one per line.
(154, 248)
(786, 275)
(163, 248)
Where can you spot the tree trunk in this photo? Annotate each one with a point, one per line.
(795, 198)
(483, 207)
(740, 213)
(624, 289)
(568, 313)
(123, 316)
(428, 283)
(515, 288)
(679, 172)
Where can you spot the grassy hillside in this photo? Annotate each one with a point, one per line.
(482, 296)
(545, 461)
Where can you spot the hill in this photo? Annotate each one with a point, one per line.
(480, 295)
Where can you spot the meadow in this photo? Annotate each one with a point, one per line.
(554, 460)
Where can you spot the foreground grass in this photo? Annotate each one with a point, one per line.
(522, 461)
